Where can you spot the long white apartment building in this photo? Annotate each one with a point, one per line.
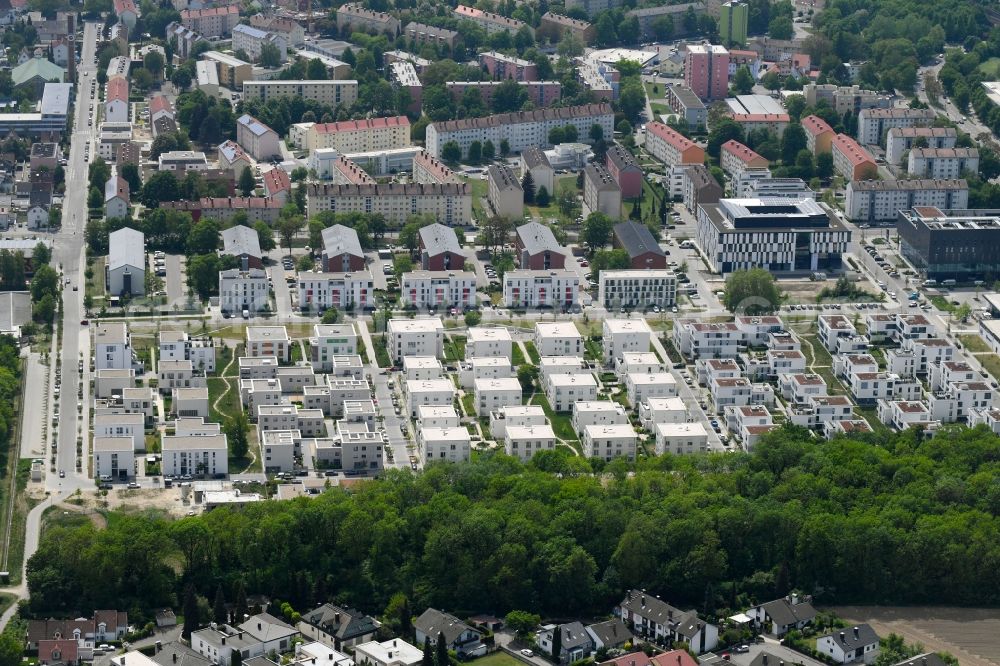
(681, 438)
(942, 162)
(597, 412)
(415, 337)
(355, 136)
(696, 339)
(558, 338)
(609, 441)
(522, 129)
(194, 454)
(563, 390)
(435, 289)
(433, 392)
(333, 93)
(873, 124)
(881, 200)
(901, 139)
(243, 290)
(329, 341)
(515, 415)
(450, 203)
(536, 288)
(637, 288)
(345, 291)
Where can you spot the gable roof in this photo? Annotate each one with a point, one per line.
(926, 659)
(534, 156)
(574, 634)
(535, 237)
(433, 622)
(344, 623)
(265, 627)
(438, 239)
(255, 126)
(610, 632)
(854, 637)
(127, 247)
(636, 239)
(651, 607)
(39, 67)
(671, 658)
(339, 239)
(784, 613)
(240, 240)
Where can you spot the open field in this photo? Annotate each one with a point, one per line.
(970, 634)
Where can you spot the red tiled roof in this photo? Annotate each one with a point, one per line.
(741, 152)
(670, 135)
(117, 89)
(159, 103)
(815, 125)
(354, 125)
(759, 117)
(208, 11)
(852, 150)
(276, 180)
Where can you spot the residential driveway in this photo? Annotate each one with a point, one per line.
(505, 639)
(282, 293)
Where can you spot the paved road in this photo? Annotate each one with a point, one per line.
(174, 282)
(282, 294)
(391, 422)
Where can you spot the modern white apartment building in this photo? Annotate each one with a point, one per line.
(483, 341)
(113, 347)
(268, 341)
(624, 335)
(437, 289)
(257, 392)
(437, 416)
(333, 93)
(563, 390)
(114, 458)
(640, 386)
(191, 401)
(132, 426)
(900, 139)
(681, 438)
(178, 374)
(662, 410)
(243, 290)
(559, 338)
(695, 339)
(415, 337)
(597, 412)
(428, 392)
(206, 455)
(874, 123)
(522, 129)
(940, 163)
(451, 203)
(609, 441)
(880, 200)
(358, 136)
(483, 367)
(345, 291)
(515, 415)
(524, 441)
(537, 288)
(492, 394)
(449, 444)
(395, 652)
(330, 340)
(176, 345)
(561, 365)
(277, 449)
(422, 367)
(637, 288)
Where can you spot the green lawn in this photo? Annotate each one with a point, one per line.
(562, 424)
(454, 349)
(942, 303)
(991, 364)
(381, 353)
(516, 355)
(498, 658)
(230, 402)
(990, 68)
(532, 352)
(469, 404)
(974, 344)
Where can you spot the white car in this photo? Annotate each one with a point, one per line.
(527, 653)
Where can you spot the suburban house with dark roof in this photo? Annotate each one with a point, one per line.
(104, 625)
(859, 643)
(439, 249)
(537, 248)
(642, 248)
(609, 634)
(244, 243)
(652, 618)
(670, 658)
(575, 643)
(338, 627)
(342, 252)
(784, 615)
(926, 659)
(458, 636)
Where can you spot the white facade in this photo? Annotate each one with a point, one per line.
(450, 444)
(609, 441)
(881, 200)
(681, 438)
(548, 288)
(698, 340)
(564, 390)
(624, 335)
(558, 339)
(492, 394)
(395, 652)
(488, 342)
(114, 458)
(525, 441)
(428, 392)
(201, 454)
(662, 410)
(345, 291)
(415, 337)
(268, 341)
(422, 367)
(637, 288)
(330, 340)
(132, 426)
(243, 290)
(113, 347)
(435, 289)
(641, 386)
(515, 415)
(597, 412)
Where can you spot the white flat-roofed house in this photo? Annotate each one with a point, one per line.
(832, 327)
(428, 392)
(695, 339)
(756, 329)
(415, 337)
(561, 365)
(525, 441)
(422, 367)
(112, 381)
(558, 339)
(178, 374)
(869, 387)
(818, 410)
(553, 288)
(450, 444)
(641, 385)
(190, 401)
(708, 368)
(515, 415)
(491, 394)
(132, 426)
(346, 291)
(258, 367)
(277, 448)
(785, 362)
(728, 391)
(639, 288)
(643, 362)
(738, 415)
(492, 367)
(268, 341)
(243, 290)
(662, 410)
(114, 458)
(394, 652)
(256, 392)
(330, 340)
(681, 438)
(486, 342)
(360, 411)
(437, 416)
(625, 335)
(563, 390)
(948, 372)
(177, 345)
(844, 365)
(609, 441)
(437, 289)
(340, 392)
(194, 455)
(597, 412)
(955, 401)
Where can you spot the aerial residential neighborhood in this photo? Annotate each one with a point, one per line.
(569, 333)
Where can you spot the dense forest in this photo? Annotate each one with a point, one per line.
(897, 519)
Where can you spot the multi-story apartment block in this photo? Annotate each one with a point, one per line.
(684, 102)
(787, 236)
(706, 70)
(428, 34)
(257, 139)
(113, 348)
(345, 291)
(681, 438)
(540, 93)
(178, 345)
(736, 159)
(850, 160)
(504, 192)
(493, 393)
(624, 335)
(292, 31)
(537, 288)
(201, 455)
(449, 202)
(521, 129)
(700, 187)
(334, 93)
(524, 441)
(844, 99)
(819, 134)
(243, 290)
(212, 21)
(558, 339)
(252, 41)
(268, 341)
(600, 78)
(609, 441)
(436, 289)
(502, 66)
(329, 341)
(428, 392)
(671, 147)
(601, 194)
(403, 76)
(230, 71)
(564, 390)
(637, 288)
(449, 444)
(488, 342)
(554, 25)
(488, 21)
(874, 123)
(900, 139)
(356, 17)
(429, 169)
(875, 201)
(598, 412)
(695, 339)
(940, 163)
(415, 337)
(114, 458)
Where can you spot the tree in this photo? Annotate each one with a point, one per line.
(556, 642)
(42, 254)
(526, 375)
(509, 96)
(240, 609)
(452, 153)
(542, 197)
(528, 187)
(597, 231)
(330, 316)
(161, 186)
(781, 27)
(504, 148)
(191, 616)
(219, 610)
(793, 139)
(246, 182)
(203, 274)
(751, 292)
(472, 318)
(270, 56)
(495, 232)
(723, 130)
(596, 133)
(441, 653)
(522, 622)
(428, 659)
(204, 237)
(475, 152)
(743, 81)
(824, 165)
(288, 227)
(94, 198)
(610, 260)
(265, 235)
(663, 28)
(316, 70)
(11, 650)
(632, 99)
(556, 135)
(130, 172)
(153, 63)
(489, 151)
(236, 434)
